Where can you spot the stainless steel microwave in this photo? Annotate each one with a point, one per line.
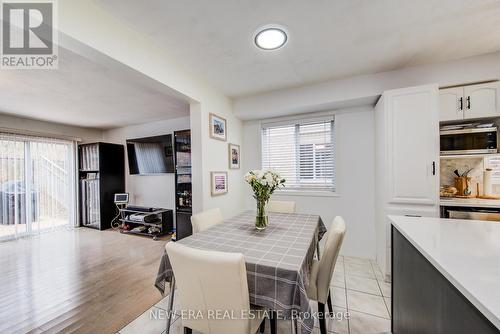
(469, 141)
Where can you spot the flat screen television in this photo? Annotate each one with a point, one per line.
(150, 155)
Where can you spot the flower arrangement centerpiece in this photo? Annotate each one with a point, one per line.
(263, 183)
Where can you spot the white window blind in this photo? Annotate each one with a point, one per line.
(302, 152)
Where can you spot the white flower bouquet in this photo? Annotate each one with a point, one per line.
(263, 183)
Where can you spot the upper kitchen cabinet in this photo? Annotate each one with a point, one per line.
(451, 102)
(469, 102)
(412, 139)
(482, 100)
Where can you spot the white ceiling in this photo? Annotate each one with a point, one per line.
(328, 39)
(86, 93)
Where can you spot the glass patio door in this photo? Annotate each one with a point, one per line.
(37, 189)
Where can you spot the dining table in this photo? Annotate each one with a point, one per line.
(278, 260)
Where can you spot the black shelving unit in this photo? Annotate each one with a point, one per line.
(101, 174)
(183, 185)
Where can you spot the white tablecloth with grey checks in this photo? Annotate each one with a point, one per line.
(278, 259)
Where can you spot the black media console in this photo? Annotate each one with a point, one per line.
(155, 222)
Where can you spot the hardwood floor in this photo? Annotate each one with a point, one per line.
(78, 281)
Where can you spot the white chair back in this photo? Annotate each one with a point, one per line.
(209, 280)
(333, 243)
(206, 219)
(281, 206)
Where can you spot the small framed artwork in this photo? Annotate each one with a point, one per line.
(219, 183)
(218, 127)
(234, 156)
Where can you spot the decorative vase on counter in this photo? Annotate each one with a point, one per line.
(263, 183)
(261, 219)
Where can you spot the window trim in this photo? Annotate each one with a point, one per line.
(304, 120)
(298, 120)
(306, 193)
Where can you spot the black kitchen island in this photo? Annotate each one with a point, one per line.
(446, 276)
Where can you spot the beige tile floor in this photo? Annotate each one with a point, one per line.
(357, 287)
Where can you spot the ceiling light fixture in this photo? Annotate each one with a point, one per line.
(270, 38)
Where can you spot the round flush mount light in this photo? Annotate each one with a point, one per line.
(270, 38)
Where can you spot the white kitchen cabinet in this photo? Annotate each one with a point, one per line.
(407, 159)
(469, 102)
(451, 102)
(482, 100)
(412, 134)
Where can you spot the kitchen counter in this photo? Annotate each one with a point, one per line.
(469, 202)
(465, 252)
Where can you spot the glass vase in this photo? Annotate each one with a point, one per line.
(261, 219)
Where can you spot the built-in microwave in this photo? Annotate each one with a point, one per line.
(475, 140)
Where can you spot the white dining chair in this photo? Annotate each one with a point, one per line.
(213, 281)
(322, 270)
(281, 206)
(206, 219)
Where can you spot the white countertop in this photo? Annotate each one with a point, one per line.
(472, 202)
(466, 252)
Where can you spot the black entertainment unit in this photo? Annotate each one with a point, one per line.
(155, 222)
(183, 185)
(101, 174)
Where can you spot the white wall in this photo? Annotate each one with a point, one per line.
(27, 126)
(355, 164)
(148, 190)
(320, 96)
(215, 158)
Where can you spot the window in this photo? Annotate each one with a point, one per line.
(302, 152)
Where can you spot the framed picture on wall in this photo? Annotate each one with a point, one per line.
(218, 127)
(218, 183)
(234, 156)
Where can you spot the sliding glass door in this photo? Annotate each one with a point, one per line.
(12, 188)
(37, 189)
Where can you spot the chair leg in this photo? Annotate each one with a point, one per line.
(321, 318)
(170, 305)
(329, 301)
(188, 330)
(272, 320)
(262, 327)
